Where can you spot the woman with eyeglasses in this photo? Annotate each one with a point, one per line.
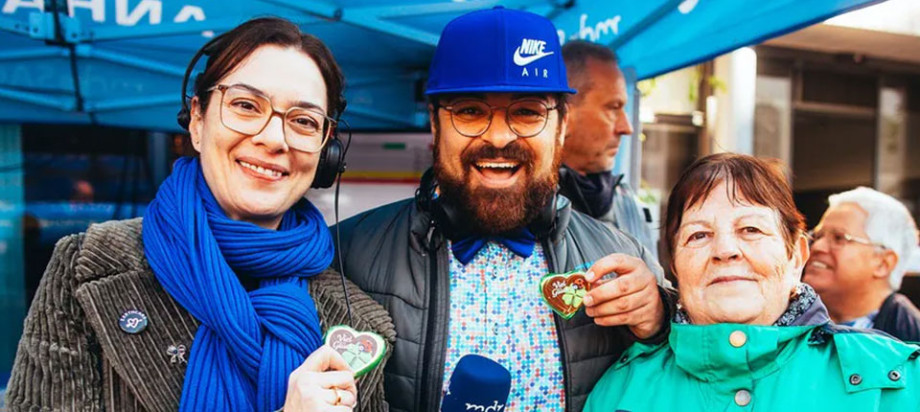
(747, 334)
(219, 298)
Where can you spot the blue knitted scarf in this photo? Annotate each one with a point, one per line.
(248, 342)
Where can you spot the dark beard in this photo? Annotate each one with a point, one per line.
(494, 211)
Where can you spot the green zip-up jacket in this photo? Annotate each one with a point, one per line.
(732, 367)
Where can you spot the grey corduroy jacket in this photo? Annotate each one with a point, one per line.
(73, 356)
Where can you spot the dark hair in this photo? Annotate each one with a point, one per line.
(576, 54)
(756, 180)
(236, 45)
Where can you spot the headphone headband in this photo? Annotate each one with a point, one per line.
(184, 115)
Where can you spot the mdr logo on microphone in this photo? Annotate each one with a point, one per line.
(477, 384)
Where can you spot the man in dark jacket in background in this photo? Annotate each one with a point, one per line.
(859, 254)
(459, 267)
(597, 123)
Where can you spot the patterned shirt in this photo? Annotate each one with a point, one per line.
(496, 311)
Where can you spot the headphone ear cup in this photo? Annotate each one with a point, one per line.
(184, 118)
(331, 163)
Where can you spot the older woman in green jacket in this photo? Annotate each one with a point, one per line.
(747, 334)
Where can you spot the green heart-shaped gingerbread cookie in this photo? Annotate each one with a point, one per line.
(565, 292)
(362, 350)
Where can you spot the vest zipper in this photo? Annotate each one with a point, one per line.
(566, 373)
(433, 364)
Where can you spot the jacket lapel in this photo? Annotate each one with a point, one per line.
(150, 361)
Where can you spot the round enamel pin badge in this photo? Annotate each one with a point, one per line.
(133, 321)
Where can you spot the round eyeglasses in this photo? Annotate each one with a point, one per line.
(248, 111)
(526, 118)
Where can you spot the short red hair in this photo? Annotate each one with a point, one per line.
(758, 181)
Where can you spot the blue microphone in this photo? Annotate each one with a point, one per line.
(477, 384)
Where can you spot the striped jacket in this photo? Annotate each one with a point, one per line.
(73, 356)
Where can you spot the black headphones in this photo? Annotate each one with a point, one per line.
(449, 220)
(331, 157)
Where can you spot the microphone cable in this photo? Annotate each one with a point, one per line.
(338, 231)
(338, 242)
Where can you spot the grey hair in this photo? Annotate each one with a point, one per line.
(889, 223)
(576, 54)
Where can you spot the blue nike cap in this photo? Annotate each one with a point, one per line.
(498, 50)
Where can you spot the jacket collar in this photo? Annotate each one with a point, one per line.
(724, 352)
(590, 194)
(115, 280)
(816, 314)
(711, 353)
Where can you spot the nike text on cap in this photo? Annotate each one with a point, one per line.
(498, 50)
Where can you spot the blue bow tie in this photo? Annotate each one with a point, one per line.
(521, 242)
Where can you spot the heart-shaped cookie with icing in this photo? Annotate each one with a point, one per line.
(361, 350)
(565, 292)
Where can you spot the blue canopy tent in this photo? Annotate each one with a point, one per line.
(120, 63)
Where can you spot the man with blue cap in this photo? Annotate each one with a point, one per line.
(459, 267)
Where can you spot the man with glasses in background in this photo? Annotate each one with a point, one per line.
(459, 267)
(859, 254)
